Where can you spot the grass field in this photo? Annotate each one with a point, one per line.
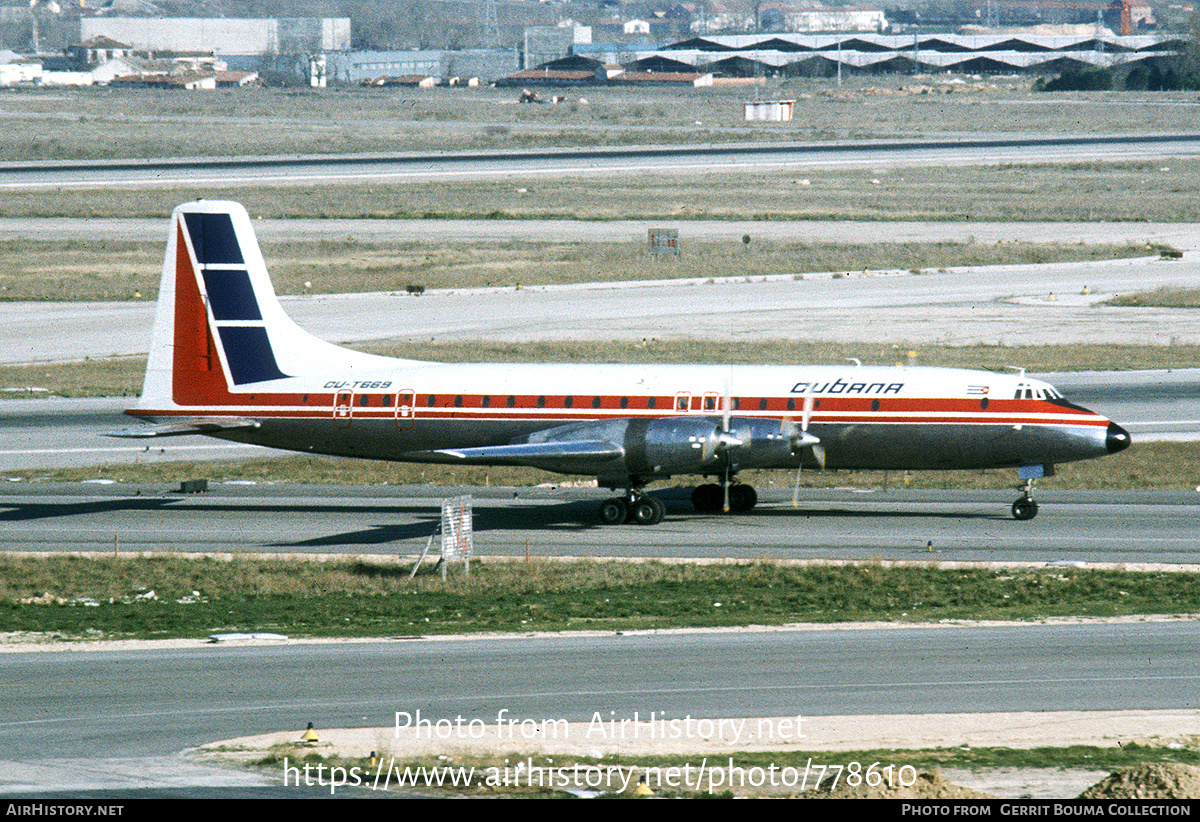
(1124, 190)
(1160, 298)
(50, 124)
(127, 270)
(195, 596)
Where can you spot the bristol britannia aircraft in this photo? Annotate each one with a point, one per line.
(226, 361)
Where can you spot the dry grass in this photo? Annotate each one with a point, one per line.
(116, 270)
(46, 125)
(112, 377)
(1036, 358)
(1148, 190)
(79, 270)
(79, 123)
(1165, 297)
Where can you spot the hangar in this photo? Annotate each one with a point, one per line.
(793, 54)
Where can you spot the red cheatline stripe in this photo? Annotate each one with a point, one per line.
(501, 415)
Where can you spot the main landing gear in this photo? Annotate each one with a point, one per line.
(635, 507)
(710, 498)
(1025, 507)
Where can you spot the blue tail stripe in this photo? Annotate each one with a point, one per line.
(213, 239)
(230, 295)
(248, 352)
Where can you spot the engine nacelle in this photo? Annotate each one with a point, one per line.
(677, 445)
(674, 445)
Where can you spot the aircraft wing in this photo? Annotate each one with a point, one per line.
(199, 425)
(526, 452)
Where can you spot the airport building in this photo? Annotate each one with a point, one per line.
(358, 67)
(241, 42)
(781, 54)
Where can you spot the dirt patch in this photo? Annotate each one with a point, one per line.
(1158, 780)
(927, 786)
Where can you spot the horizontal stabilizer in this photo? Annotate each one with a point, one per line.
(192, 426)
(522, 453)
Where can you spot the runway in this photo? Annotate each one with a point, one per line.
(116, 726)
(992, 305)
(749, 158)
(976, 526)
(1185, 236)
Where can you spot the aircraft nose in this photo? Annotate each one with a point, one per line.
(1118, 438)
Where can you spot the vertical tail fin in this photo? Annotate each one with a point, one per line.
(219, 329)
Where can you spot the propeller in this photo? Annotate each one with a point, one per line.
(726, 441)
(801, 439)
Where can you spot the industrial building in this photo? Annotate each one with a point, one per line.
(783, 54)
(241, 42)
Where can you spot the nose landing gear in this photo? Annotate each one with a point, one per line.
(1025, 507)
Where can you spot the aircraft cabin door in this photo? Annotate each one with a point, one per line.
(406, 409)
(343, 407)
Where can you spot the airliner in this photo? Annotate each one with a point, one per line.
(226, 361)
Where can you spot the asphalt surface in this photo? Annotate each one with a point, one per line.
(113, 719)
(993, 305)
(894, 523)
(1184, 236)
(749, 158)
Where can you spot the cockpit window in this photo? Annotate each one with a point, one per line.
(1042, 392)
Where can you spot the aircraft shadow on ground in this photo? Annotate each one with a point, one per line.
(423, 520)
(574, 516)
(33, 511)
(582, 515)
